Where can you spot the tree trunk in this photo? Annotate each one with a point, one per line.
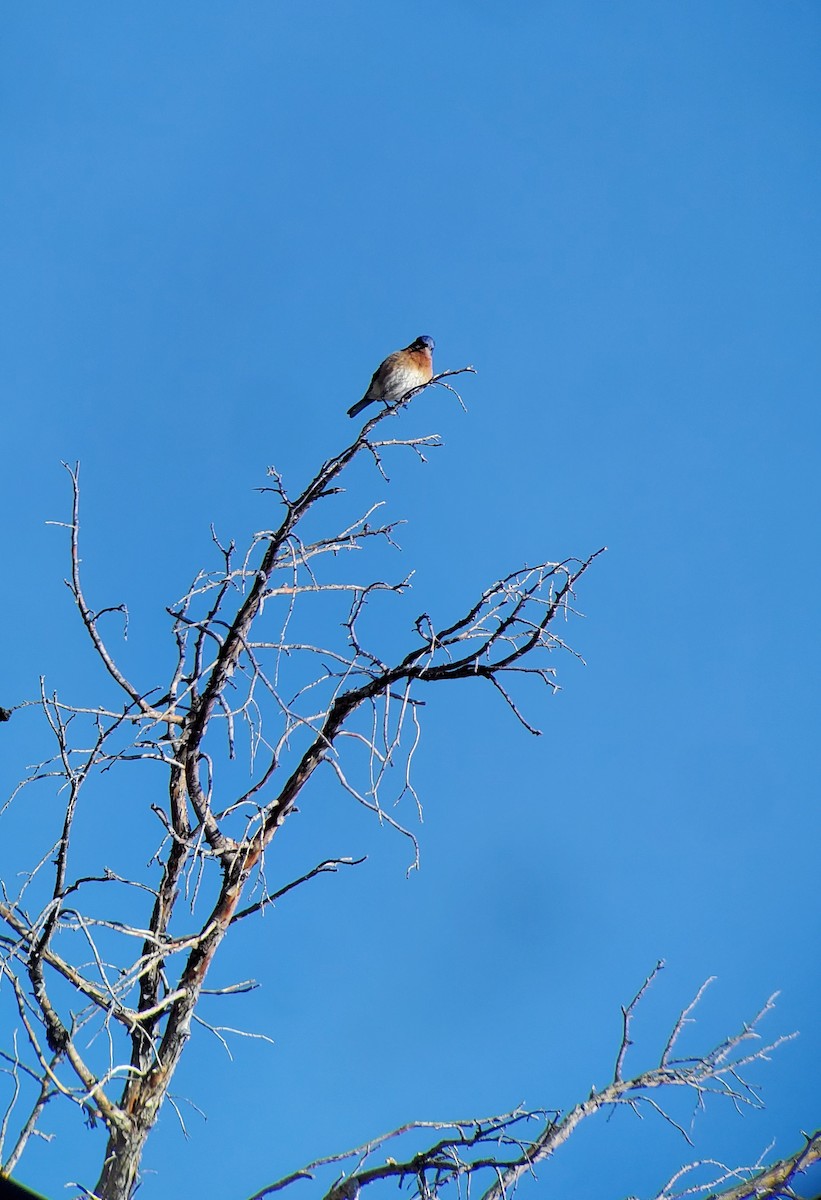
(122, 1161)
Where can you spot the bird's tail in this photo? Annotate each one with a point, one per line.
(357, 408)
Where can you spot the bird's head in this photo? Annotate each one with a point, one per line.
(424, 343)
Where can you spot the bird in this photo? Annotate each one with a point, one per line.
(399, 374)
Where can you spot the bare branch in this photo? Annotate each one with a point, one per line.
(329, 866)
(503, 1147)
(627, 1016)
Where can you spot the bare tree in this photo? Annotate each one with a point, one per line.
(106, 968)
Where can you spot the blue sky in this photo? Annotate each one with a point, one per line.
(217, 220)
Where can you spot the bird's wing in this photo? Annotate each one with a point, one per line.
(377, 385)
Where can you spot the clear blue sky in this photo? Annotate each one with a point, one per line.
(217, 219)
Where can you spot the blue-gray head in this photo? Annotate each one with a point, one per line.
(424, 343)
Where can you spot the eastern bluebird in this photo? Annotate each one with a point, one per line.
(399, 374)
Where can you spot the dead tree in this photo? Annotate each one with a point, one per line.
(247, 667)
(106, 968)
